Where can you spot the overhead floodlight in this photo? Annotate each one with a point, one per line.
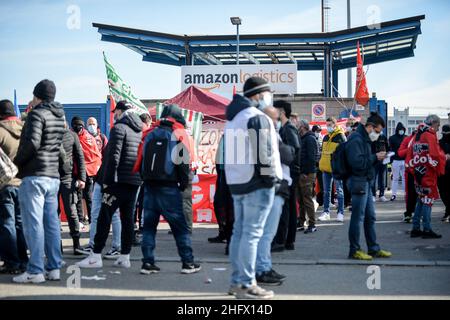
(236, 21)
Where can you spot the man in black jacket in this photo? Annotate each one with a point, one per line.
(120, 185)
(38, 160)
(444, 181)
(398, 163)
(361, 160)
(287, 229)
(164, 181)
(73, 177)
(308, 168)
(381, 145)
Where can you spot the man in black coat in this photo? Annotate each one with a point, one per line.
(308, 169)
(381, 145)
(120, 185)
(38, 160)
(73, 178)
(287, 229)
(444, 181)
(398, 163)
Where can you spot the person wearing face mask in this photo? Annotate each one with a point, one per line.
(380, 169)
(93, 161)
(427, 161)
(398, 163)
(287, 228)
(251, 178)
(100, 138)
(361, 162)
(331, 141)
(444, 181)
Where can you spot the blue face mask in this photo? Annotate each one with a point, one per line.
(330, 129)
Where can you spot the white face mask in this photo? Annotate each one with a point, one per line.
(330, 129)
(278, 126)
(374, 136)
(266, 101)
(401, 132)
(92, 129)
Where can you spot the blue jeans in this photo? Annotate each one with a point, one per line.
(362, 210)
(116, 225)
(327, 185)
(250, 214)
(168, 202)
(380, 176)
(263, 256)
(423, 212)
(38, 198)
(13, 248)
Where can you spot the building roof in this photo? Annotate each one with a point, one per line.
(387, 41)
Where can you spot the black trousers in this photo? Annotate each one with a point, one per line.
(122, 196)
(287, 227)
(69, 197)
(411, 195)
(223, 207)
(85, 194)
(139, 208)
(444, 191)
(187, 202)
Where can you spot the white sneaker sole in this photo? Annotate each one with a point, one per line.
(90, 266)
(34, 280)
(190, 271)
(148, 272)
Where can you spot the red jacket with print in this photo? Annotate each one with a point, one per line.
(427, 160)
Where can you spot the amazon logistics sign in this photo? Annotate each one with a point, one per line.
(222, 80)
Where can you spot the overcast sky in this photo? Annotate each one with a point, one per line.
(35, 43)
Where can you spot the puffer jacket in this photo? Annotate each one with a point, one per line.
(122, 151)
(359, 154)
(330, 142)
(40, 150)
(74, 167)
(10, 130)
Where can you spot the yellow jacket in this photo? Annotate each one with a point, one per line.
(329, 145)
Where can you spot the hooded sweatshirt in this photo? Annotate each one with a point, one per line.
(252, 157)
(396, 140)
(428, 162)
(40, 150)
(10, 130)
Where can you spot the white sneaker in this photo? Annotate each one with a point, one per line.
(324, 217)
(383, 199)
(93, 261)
(123, 261)
(374, 199)
(340, 217)
(29, 278)
(54, 275)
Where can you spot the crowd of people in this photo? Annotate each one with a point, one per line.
(273, 173)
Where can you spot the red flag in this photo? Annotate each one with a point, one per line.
(112, 107)
(234, 91)
(362, 93)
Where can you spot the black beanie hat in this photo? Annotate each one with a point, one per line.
(255, 85)
(173, 111)
(7, 109)
(123, 105)
(45, 90)
(77, 121)
(445, 128)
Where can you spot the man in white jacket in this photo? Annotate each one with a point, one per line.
(252, 169)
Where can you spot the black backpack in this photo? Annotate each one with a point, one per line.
(157, 161)
(339, 163)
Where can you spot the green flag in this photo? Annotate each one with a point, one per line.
(193, 119)
(119, 90)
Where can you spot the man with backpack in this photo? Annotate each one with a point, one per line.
(13, 249)
(165, 170)
(120, 185)
(358, 160)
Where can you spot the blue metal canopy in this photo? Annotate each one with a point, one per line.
(330, 52)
